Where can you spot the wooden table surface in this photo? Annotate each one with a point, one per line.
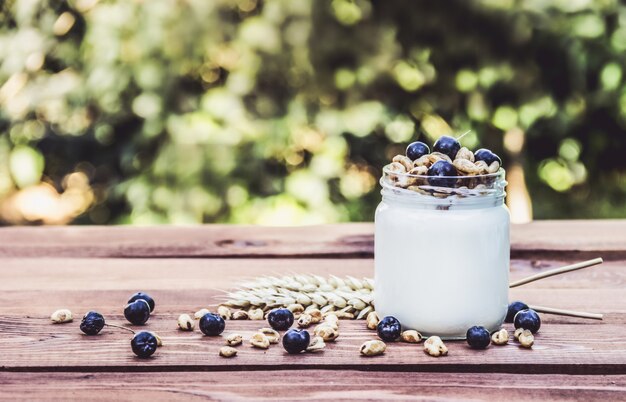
(188, 268)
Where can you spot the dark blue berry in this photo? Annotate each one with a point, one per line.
(137, 312)
(92, 323)
(514, 308)
(527, 319)
(416, 150)
(447, 145)
(296, 340)
(142, 296)
(144, 344)
(212, 324)
(486, 155)
(478, 337)
(389, 329)
(440, 172)
(280, 319)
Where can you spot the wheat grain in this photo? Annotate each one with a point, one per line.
(347, 297)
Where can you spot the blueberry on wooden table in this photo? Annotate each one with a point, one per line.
(478, 337)
(447, 145)
(144, 344)
(143, 296)
(416, 150)
(514, 308)
(440, 173)
(389, 329)
(212, 324)
(527, 319)
(280, 319)
(486, 155)
(92, 323)
(137, 312)
(296, 340)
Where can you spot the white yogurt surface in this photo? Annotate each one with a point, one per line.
(442, 271)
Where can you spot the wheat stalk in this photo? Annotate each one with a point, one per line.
(347, 296)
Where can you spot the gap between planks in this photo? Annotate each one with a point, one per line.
(535, 369)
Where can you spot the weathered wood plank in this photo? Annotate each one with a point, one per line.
(31, 288)
(74, 273)
(344, 240)
(309, 385)
(574, 240)
(34, 344)
(540, 239)
(38, 285)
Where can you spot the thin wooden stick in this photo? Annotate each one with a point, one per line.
(558, 311)
(557, 271)
(120, 327)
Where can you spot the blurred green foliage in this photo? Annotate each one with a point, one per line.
(281, 112)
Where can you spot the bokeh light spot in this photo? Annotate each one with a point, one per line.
(466, 80)
(505, 118)
(570, 149)
(26, 165)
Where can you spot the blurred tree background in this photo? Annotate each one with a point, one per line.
(284, 112)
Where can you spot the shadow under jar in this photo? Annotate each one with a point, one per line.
(442, 253)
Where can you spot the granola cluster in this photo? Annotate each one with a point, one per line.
(448, 169)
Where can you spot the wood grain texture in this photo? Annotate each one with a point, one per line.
(309, 385)
(35, 344)
(37, 286)
(575, 240)
(185, 269)
(30, 289)
(349, 240)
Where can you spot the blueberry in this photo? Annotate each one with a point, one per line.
(142, 296)
(212, 324)
(416, 150)
(439, 170)
(389, 329)
(92, 323)
(527, 319)
(137, 312)
(447, 145)
(296, 340)
(144, 344)
(280, 319)
(513, 309)
(486, 155)
(478, 337)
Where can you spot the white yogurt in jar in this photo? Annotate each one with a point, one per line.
(442, 264)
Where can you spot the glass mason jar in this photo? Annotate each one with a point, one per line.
(442, 253)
